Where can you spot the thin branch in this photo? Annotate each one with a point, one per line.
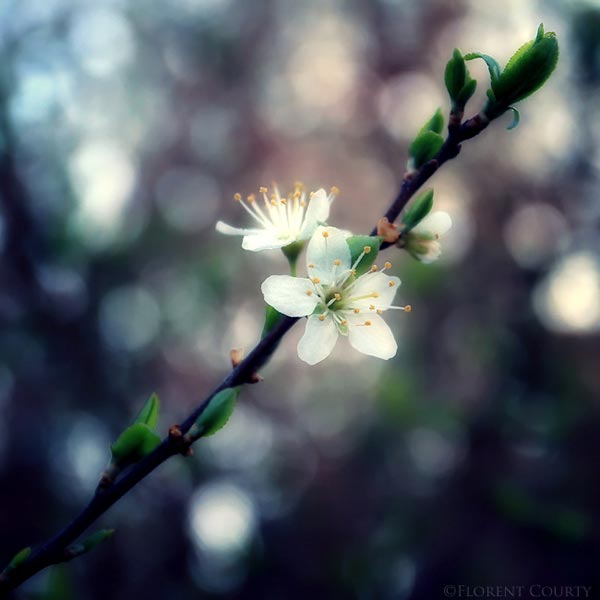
(53, 551)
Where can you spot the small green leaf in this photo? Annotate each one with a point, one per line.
(134, 443)
(455, 75)
(492, 64)
(217, 413)
(528, 69)
(424, 147)
(149, 413)
(19, 558)
(467, 91)
(97, 538)
(418, 210)
(357, 245)
(516, 117)
(272, 316)
(435, 124)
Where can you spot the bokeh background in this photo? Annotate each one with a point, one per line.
(472, 458)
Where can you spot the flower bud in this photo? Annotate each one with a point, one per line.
(417, 211)
(423, 240)
(459, 83)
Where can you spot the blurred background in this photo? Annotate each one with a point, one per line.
(126, 126)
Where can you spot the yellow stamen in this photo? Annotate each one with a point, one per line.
(251, 198)
(273, 202)
(368, 323)
(375, 294)
(237, 197)
(262, 190)
(344, 322)
(309, 292)
(388, 265)
(408, 308)
(321, 317)
(356, 311)
(391, 283)
(311, 266)
(374, 269)
(379, 311)
(371, 307)
(316, 280)
(335, 190)
(337, 262)
(283, 201)
(302, 203)
(338, 297)
(367, 249)
(326, 234)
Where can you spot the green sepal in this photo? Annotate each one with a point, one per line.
(516, 117)
(134, 443)
(272, 316)
(417, 211)
(424, 147)
(19, 558)
(492, 64)
(292, 252)
(217, 413)
(357, 245)
(528, 69)
(149, 413)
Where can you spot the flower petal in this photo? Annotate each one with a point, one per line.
(375, 339)
(265, 240)
(229, 230)
(316, 212)
(374, 289)
(289, 295)
(437, 223)
(326, 246)
(318, 340)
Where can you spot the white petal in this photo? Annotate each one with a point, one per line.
(374, 283)
(437, 223)
(265, 240)
(289, 295)
(376, 339)
(318, 340)
(229, 230)
(323, 251)
(316, 212)
(433, 252)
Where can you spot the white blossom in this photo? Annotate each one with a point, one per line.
(423, 240)
(335, 301)
(281, 220)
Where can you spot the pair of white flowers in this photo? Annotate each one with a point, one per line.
(335, 301)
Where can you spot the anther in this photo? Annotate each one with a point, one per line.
(379, 311)
(375, 294)
(283, 201)
(321, 317)
(337, 297)
(388, 265)
(316, 280)
(391, 283)
(237, 197)
(356, 311)
(367, 249)
(335, 190)
(368, 323)
(251, 198)
(371, 307)
(374, 268)
(344, 322)
(273, 202)
(262, 189)
(326, 234)
(309, 292)
(302, 203)
(337, 262)
(311, 266)
(408, 308)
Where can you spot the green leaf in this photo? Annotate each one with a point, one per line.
(418, 210)
(467, 91)
(272, 316)
(97, 538)
(455, 75)
(218, 411)
(149, 413)
(424, 147)
(492, 64)
(357, 245)
(528, 69)
(19, 558)
(134, 443)
(516, 117)
(435, 124)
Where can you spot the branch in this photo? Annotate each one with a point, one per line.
(54, 551)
